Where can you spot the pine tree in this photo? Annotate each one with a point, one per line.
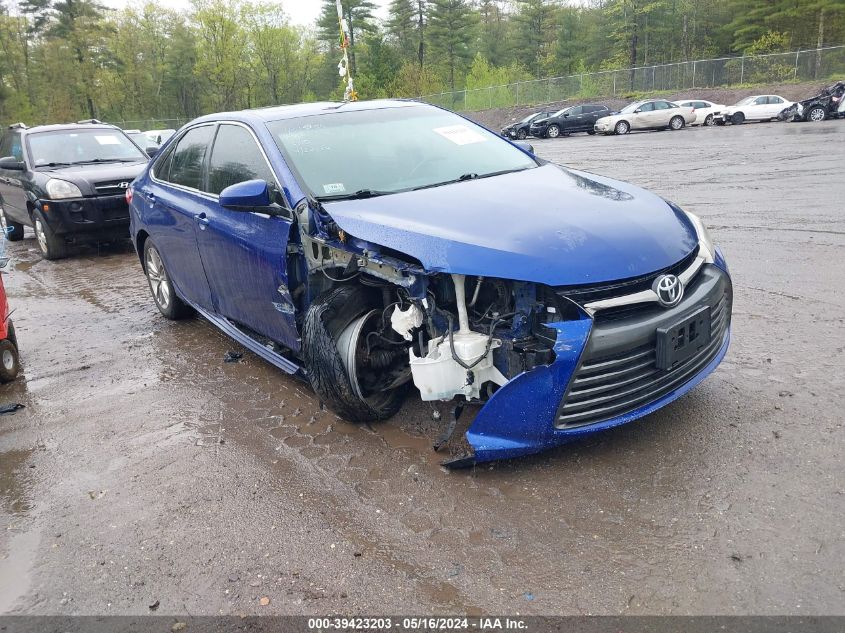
(450, 30)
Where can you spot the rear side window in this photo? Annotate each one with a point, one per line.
(775, 100)
(11, 146)
(575, 111)
(187, 161)
(236, 158)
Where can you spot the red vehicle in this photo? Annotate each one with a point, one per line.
(9, 364)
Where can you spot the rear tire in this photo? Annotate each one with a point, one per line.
(166, 300)
(738, 118)
(12, 230)
(333, 318)
(52, 246)
(9, 361)
(622, 128)
(816, 114)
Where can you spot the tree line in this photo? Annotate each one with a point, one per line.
(63, 60)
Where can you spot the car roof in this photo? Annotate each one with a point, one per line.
(276, 113)
(59, 127)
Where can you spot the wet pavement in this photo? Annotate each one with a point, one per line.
(146, 470)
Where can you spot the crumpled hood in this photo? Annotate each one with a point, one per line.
(547, 225)
(86, 176)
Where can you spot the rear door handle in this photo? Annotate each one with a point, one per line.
(202, 220)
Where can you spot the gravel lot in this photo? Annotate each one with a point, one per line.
(146, 470)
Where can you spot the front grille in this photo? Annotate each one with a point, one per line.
(111, 187)
(610, 385)
(597, 292)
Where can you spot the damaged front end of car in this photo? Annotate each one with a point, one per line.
(542, 364)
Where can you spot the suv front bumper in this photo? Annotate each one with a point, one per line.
(96, 217)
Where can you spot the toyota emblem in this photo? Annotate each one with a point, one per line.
(669, 290)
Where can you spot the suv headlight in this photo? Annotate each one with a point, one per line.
(61, 189)
(705, 242)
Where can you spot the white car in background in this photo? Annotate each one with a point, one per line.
(704, 110)
(159, 136)
(653, 114)
(754, 108)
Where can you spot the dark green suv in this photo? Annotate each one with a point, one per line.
(67, 182)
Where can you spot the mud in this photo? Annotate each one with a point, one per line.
(146, 469)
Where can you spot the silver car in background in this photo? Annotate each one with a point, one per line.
(652, 114)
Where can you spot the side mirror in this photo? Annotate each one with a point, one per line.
(152, 150)
(566, 114)
(637, 111)
(251, 195)
(528, 147)
(12, 163)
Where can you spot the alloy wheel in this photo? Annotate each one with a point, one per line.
(816, 115)
(554, 131)
(676, 123)
(709, 120)
(157, 275)
(41, 236)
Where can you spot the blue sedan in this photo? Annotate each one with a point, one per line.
(371, 246)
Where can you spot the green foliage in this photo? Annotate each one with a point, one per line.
(63, 60)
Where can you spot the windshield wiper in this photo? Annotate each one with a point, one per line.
(358, 195)
(469, 176)
(53, 165)
(107, 160)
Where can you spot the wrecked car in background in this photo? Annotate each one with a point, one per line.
(435, 254)
(829, 103)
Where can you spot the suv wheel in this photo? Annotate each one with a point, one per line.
(171, 306)
(553, 131)
(12, 230)
(521, 135)
(51, 245)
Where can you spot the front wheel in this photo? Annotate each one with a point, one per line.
(676, 123)
(738, 118)
(9, 361)
(622, 127)
(708, 121)
(356, 380)
(52, 246)
(171, 306)
(816, 114)
(522, 135)
(553, 131)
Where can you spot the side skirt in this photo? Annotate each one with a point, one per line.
(247, 341)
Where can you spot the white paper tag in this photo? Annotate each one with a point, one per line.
(107, 140)
(460, 134)
(335, 187)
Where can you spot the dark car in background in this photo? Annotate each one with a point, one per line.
(67, 182)
(579, 118)
(519, 130)
(825, 105)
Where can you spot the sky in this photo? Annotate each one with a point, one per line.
(301, 12)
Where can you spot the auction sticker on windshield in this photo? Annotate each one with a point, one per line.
(334, 187)
(460, 134)
(107, 140)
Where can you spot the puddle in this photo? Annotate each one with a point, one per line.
(12, 485)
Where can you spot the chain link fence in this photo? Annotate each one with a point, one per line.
(150, 124)
(804, 65)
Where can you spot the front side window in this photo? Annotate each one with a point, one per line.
(79, 147)
(632, 107)
(236, 158)
(186, 164)
(647, 107)
(389, 150)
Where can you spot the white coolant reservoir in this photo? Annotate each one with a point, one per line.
(439, 376)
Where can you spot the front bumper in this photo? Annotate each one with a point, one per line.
(601, 127)
(538, 131)
(87, 218)
(545, 407)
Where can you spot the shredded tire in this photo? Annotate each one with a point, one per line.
(327, 317)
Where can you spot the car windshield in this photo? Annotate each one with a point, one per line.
(560, 112)
(73, 147)
(746, 101)
(631, 107)
(374, 152)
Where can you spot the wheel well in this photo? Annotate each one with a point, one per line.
(140, 240)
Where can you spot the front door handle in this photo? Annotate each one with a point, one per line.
(202, 220)
(149, 195)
